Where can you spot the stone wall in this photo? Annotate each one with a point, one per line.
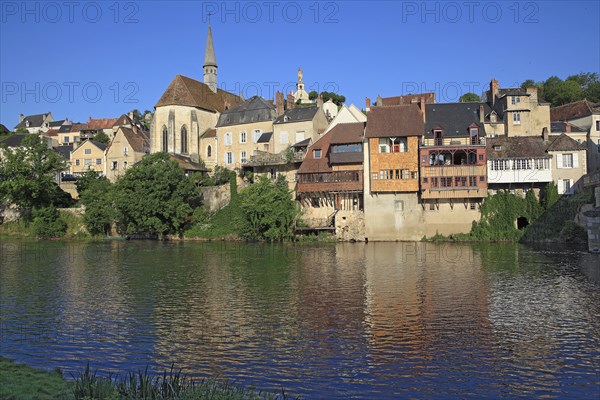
(350, 225)
(216, 197)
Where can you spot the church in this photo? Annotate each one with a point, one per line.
(188, 109)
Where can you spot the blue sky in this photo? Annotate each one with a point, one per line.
(101, 59)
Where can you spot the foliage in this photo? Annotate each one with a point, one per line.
(27, 175)
(85, 180)
(154, 197)
(288, 154)
(97, 197)
(571, 232)
(338, 99)
(268, 210)
(498, 215)
(550, 195)
(574, 88)
(19, 381)
(469, 97)
(101, 137)
(48, 223)
(532, 207)
(21, 130)
(220, 176)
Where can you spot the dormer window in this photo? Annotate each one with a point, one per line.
(317, 153)
(497, 147)
(474, 134)
(286, 118)
(493, 117)
(437, 137)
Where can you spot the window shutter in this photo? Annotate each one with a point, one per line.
(575, 160)
(561, 187)
(559, 162)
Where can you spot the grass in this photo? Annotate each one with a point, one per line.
(221, 225)
(19, 382)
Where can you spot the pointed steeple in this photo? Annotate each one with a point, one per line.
(210, 63)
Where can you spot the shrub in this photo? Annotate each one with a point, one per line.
(47, 223)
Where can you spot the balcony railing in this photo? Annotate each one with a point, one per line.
(331, 181)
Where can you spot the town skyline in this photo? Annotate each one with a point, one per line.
(135, 79)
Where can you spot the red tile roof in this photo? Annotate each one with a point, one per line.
(407, 99)
(51, 132)
(348, 133)
(101, 123)
(395, 121)
(184, 91)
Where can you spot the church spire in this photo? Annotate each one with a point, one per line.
(210, 63)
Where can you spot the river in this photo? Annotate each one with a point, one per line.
(348, 320)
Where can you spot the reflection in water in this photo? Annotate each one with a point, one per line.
(346, 320)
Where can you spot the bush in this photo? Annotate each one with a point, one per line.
(99, 205)
(47, 223)
(571, 232)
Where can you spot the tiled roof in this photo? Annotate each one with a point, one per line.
(565, 142)
(209, 133)
(395, 121)
(312, 164)
(454, 118)
(297, 114)
(559, 127)
(101, 123)
(516, 147)
(137, 139)
(51, 132)
(186, 163)
(348, 133)
(263, 158)
(255, 109)
(406, 99)
(575, 110)
(35, 121)
(55, 124)
(184, 91)
(65, 151)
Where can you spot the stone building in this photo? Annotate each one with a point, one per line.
(37, 123)
(189, 108)
(127, 148)
(568, 163)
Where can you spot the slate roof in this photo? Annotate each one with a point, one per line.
(302, 143)
(454, 118)
(35, 121)
(265, 137)
(578, 109)
(517, 147)
(512, 92)
(395, 121)
(186, 163)
(65, 128)
(297, 114)
(3, 130)
(14, 140)
(184, 91)
(65, 151)
(56, 124)
(429, 97)
(565, 143)
(255, 109)
(559, 127)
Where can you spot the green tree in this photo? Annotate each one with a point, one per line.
(48, 223)
(268, 210)
(592, 92)
(533, 208)
(21, 130)
(102, 137)
(550, 195)
(27, 174)
(154, 197)
(469, 98)
(85, 180)
(97, 197)
(338, 99)
(313, 94)
(584, 79)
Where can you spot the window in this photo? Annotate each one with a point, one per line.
(273, 173)
(482, 178)
(515, 100)
(516, 118)
(256, 135)
(474, 136)
(283, 138)
(76, 138)
(434, 182)
(317, 153)
(405, 174)
(299, 136)
(399, 205)
(243, 137)
(209, 151)
(598, 125)
(165, 139)
(124, 164)
(77, 162)
(472, 181)
(229, 158)
(227, 139)
(481, 157)
(88, 151)
(385, 174)
(425, 180)
(446, 182)
(437, 138)
(567, 161)
(184, 140)
(114, 166)
(66, 139)
(243, 157)
(415, 175)
(567, 186)
(87, 162)
(375, 175)
(98, 161)
(384, 146)
(472, 205)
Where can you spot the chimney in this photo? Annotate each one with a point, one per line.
(533, 94)
(545, 134)
(379, 101)
(368, 104)
(481, 114)
(89, 119)
(130, 115)
(319, 101)
(493, 91)
(279, 103)
(290, 101)
(67, 121)
(21, 117)
(422, 106)
(567, 127)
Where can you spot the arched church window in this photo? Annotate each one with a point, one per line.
(184, 140)
(209, 151)
(165, 139)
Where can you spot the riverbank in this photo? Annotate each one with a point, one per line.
(20, 382)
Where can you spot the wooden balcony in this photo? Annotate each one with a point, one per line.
(454, 181)
(336, 181)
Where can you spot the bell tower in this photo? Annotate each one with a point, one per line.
(210, 63)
